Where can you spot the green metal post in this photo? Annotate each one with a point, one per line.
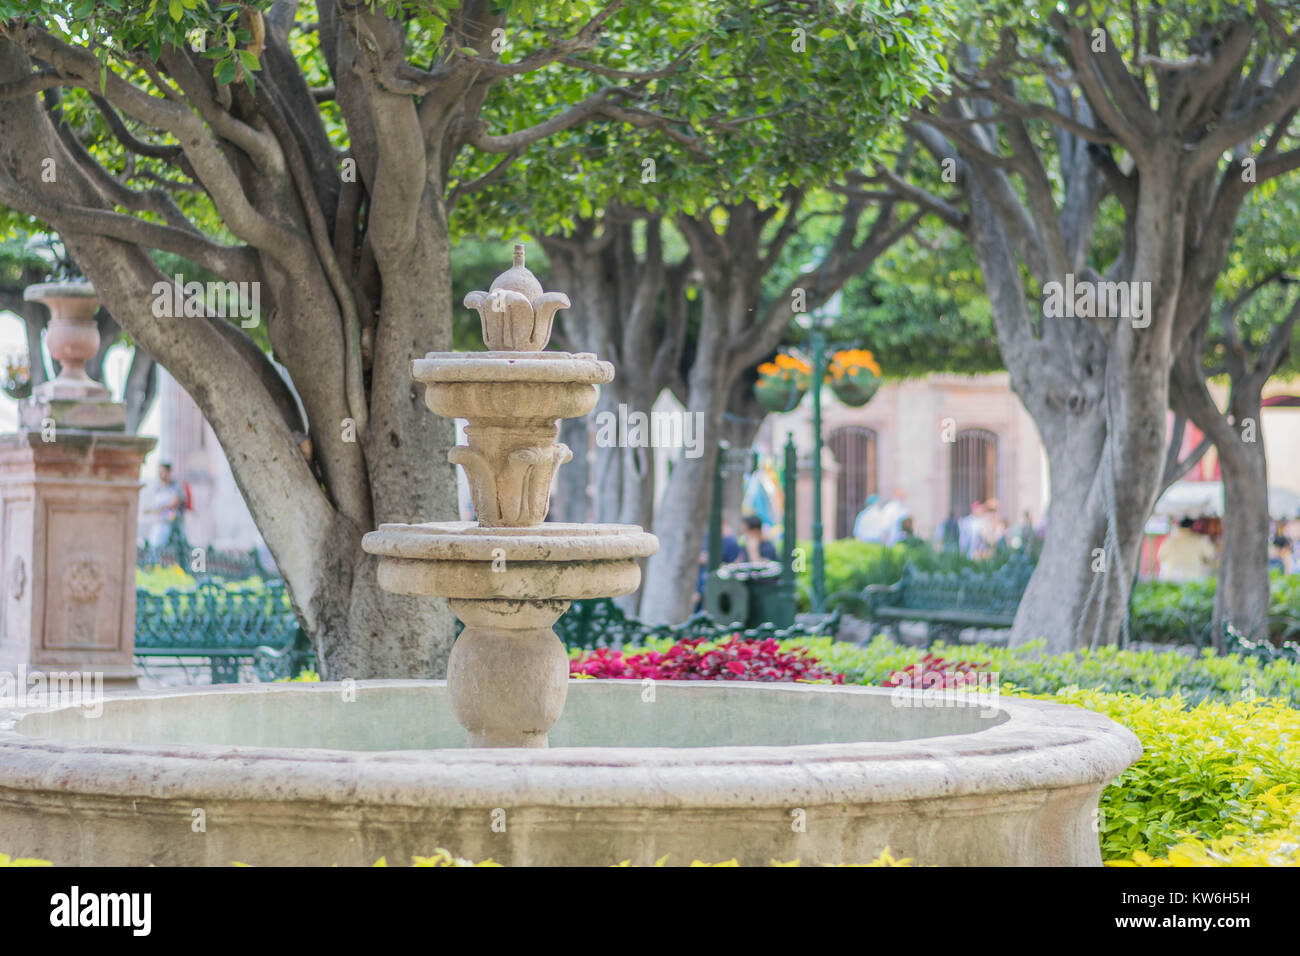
(715, 511)
(789, 536)
(818, 595)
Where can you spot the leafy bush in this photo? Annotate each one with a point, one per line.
(1206, 773)
(162, 578)
(1163, 612)
(1154, 673)
(1271, 848)
(1218, 782)
(6, 860)
(932, 672)
(851, 565)
(696, 659)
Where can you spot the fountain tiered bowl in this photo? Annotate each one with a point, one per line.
(509, 576)
(350, 772)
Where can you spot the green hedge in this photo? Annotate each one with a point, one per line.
(1218, 783)
(1175, 613)
(1206, 676)
(851, 565)
(1162, 613)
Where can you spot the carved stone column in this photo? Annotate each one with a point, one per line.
(69, 502)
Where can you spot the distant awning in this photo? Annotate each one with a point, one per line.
(1282, 401)
(1204, 499)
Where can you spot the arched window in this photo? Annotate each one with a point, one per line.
(854, 448)
(974, 471)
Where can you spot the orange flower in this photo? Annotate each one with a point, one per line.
(848, 361)
(784, 360)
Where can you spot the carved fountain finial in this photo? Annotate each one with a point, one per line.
(516, 314)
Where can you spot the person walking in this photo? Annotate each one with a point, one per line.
(757, 547)
(166, 505)
(893, 514)
(869, 525)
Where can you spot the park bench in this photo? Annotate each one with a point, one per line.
(221, 628)
(950, 602)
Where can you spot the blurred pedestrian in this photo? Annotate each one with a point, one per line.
(1185, 556)
(870, 525)
(756, 546)
(166, 497)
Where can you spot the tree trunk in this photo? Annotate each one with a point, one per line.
(740, 424)
(571, 498)
(1242, 597)
(681, 520)
(682, 514)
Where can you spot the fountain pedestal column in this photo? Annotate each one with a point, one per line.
(508, 674)
(70, 485)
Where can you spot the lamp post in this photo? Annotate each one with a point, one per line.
(818, 595)
(850, 387)
(855, 394)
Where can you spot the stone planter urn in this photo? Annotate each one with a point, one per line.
(69, 500)
(72, 398)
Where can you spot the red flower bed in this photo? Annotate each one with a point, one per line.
(931, 671)
(735, 660)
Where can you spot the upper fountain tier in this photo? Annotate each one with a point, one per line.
(512, 397)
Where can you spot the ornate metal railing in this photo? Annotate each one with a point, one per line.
(205, 562)
(230, 631)
(602, 623)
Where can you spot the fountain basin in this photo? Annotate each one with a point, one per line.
(303, 774)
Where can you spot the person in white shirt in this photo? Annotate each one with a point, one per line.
(166, 502)
(869, 525)
(893, 514)
(972, 530)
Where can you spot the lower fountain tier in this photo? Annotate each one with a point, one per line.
(554, 561)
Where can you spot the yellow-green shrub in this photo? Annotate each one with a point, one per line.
(6, 860)
(1207, 773)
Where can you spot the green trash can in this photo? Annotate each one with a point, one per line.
(745, 594)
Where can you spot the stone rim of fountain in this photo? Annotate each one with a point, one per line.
(1041, 745)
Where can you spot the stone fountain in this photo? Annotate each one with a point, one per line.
(509, 576)
(329, 773)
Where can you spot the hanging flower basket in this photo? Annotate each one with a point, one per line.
(16, 380)
(782, 383)
(855, 376)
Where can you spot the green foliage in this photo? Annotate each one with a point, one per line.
(922, 308)
(851, 565)
(1163, 612)
(6, 860)
(1206, 772)
(1219, 778)
(1221, 678)
(745, 89)
(160, 579)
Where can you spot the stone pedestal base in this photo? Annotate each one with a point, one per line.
(68, 517)
(508, 673)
